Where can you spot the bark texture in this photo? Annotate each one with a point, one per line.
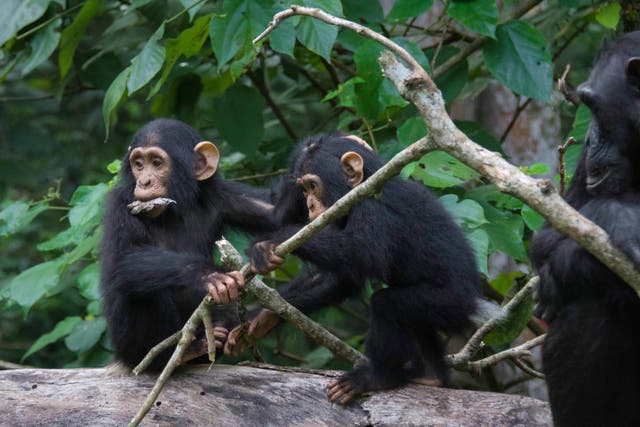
(243, 396)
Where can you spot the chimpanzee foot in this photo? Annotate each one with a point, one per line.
(343, 390)
(432, 382)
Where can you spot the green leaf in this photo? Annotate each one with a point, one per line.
(89, 282)
(368, 92)
(532, 218)
(477, 133)
(113, 96)
(30, 285)
(441, 170)
(503, 281)
(233, 32)
(479, 240)
(188, 43)
(608, 15)
(86, 334)
(520, 59)
(506, 231)
(467, 213)
(61, 330)
(238, 118)
(42, 46)
(18, 215)
(69, 236)
(87, 202)
(480, 16)
(455, 78)
(581, 123)
(318, 358)
(316, 35)
(404, 9)
(513, 326)
(411, 130)
(72, 35)
(17, 14)
(146, 64)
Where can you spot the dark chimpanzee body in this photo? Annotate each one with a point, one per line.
(157, 266)
(403, 237)
(590, 355)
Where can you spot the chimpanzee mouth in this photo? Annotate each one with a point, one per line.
(594, 182)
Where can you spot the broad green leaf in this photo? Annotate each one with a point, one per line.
(30, 285)
(85, 246)
(89, 282)
(414, 50)
(18, 215)
(532, 218)
(404, 9)
(368, 93)
(441, 170)
(233, 32)
(114, 166)
(68, 236)
(17, 14)
(480, 16)
(188, 43)
(608, 15)
(72, 35)
(467, 213)
(238, 117)
(506, 231)
(146, 64)
(113, 96)
(87, 202)
(42, 46)
(535, 169)
(61, 330)
(479, 240)
(513, 326)
(366, 11)
(85, 334)
(316, 35)
(318, 358)
(581, 123)
(455, 78)
(504, 281)
(478, 134)
(342, 88)
(520, 59)
(411, 130)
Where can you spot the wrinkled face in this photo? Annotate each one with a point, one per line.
(151, 167)
(612, 93)
(314, 193)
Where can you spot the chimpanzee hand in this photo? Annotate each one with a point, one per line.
(223, 287)
(237, 341)
(263, 257)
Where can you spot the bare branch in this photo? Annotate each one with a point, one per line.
(562, 171)
(523, 350)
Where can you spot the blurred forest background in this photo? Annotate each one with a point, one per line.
(78, 78)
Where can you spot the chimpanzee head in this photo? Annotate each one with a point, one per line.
(167, 159)
(322, 169)
(612, 93)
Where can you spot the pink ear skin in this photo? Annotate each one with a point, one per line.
(353, 167)
(207, 160)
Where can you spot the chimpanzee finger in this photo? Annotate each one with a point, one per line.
(238, 277)
(213, 292)
(223, 292)
(220, 332)
(232, 287)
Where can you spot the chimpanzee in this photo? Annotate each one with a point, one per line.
(161, 223)
(591, 352)
(403, 237)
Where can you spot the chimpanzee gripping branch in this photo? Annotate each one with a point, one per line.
(415, 85)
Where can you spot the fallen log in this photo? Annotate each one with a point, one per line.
(243, 396)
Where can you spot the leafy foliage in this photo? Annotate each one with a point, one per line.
(97, 70)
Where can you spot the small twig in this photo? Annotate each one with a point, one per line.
(475, 342)
(569, 92)
(528, 369)
(155, 351)
(519, 109)
(522, 350)
(562, 150)
(10, 365)
(264, 91)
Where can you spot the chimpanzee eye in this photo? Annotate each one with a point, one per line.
(138, 163)
(157, 162)
(312, 185)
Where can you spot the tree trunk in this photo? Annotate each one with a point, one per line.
(243, 396)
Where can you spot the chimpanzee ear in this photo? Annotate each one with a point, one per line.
(360, 141)
(633, 70)
(352, 164)
(206, 160)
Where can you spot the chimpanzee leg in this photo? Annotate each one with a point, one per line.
(402, 335)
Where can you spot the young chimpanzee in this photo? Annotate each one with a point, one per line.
(403, 237)
(156, 257)
(591, 352)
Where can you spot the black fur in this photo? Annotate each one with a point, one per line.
(403, 237)
(591, 351)
(152, 269)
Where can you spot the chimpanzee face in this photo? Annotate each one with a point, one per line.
(152, 170)
(612, 145)
(314, 193)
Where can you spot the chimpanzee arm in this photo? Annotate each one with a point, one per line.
(314, 288)
(245, 207)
